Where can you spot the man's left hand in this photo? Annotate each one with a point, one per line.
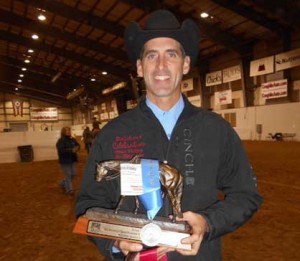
(199, 227)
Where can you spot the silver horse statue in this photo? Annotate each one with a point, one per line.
(170, 178)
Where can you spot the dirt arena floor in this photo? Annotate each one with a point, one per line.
(36, 218)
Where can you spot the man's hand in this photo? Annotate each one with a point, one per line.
(199, 227)
(125, 246)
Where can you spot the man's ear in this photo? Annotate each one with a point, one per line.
(139, 68)
(186, 64)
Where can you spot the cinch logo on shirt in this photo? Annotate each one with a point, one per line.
(189, 178)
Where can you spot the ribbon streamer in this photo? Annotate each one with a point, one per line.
(151, 197)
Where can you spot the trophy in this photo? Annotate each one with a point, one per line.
(141, 178)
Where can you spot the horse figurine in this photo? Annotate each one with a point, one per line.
(170, 178)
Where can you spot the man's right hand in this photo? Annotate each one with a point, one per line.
(125, 247)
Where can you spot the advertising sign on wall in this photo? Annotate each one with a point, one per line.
(187, 85)
(17, 107)
(213, 78)
(287, 60)
(262, 66)
(232, 74)
(195, 100)
(275, 89)
(43, 114)
(224, 97)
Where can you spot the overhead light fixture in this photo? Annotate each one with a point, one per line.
(93, 79)
(204, 15)
(16, 89)
(104, 73)
(41, 17)
(26, 61)
(30, 51)
(24, 69)
(41, 14)
(114, 88)
(19, 80)
(21, 75)
(35, 36)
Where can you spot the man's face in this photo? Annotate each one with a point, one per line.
(67, 132)
(162, 67)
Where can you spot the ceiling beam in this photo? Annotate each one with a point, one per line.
(67, 11)
(287, 10)
(250, 14)
(33, 93)
(29, 43)
(43, 71)
(42, 29)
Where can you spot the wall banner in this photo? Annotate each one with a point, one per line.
(195, 100)
(287, 60)
(43, 114)
(232, 74)
(224, 97)
(262, 66)
(187, 85)
(17, 107)
(275, 89)
(213, 78)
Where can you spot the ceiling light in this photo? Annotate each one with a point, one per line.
(24, 69)
(19, 80)
(204, 15)
(41, 14)
(93, 79)
(35, 36)
(41, 17)
(30, 51)
(27, 61)
(16, 89)
(21, 75)
(104, 73)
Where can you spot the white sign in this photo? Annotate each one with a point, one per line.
(232, 74)
(131, 179)
(195, 100)
(187, 85)
(224, 97)
(213, 78)
(262, 66)
(287, 60)
(275, 89)
(43, 114)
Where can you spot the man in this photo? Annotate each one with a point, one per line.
(166, 127)
(67, 148)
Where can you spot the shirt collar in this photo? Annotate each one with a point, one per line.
(175, 110)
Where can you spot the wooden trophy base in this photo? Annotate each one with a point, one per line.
(105, 223)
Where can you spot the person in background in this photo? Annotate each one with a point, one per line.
(87, 138)
(67, 148)
(96, 127)
(165, 126)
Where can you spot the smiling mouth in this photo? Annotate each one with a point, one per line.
(161, 77)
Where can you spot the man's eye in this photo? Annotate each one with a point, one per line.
(151, 56)
(172, 55)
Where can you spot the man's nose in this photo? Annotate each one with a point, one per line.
(161, 62)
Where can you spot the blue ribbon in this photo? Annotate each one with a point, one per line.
(151, 197)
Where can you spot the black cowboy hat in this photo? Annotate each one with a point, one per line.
(162, 23)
